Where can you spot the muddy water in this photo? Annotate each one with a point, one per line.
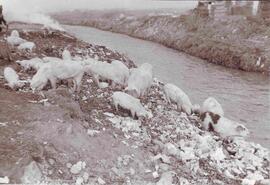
(244, 96)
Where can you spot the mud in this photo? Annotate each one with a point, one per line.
(235, 41)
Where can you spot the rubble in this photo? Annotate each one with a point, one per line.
(101, 181)
(32, 174)
(167, 148)
(76, 168)
(4, 180)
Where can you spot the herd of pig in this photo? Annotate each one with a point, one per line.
(15, 40)
(135, 82)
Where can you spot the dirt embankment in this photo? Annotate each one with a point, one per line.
(235, 41)
(56, 136)
(40, 134)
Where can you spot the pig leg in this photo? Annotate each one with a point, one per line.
(70, 82)
(142, 94)
(73, 89)
(96, 79)
(53, 82)
(167, 99)
(113, 84)
(116, 106)
(77, 84)
(132, 113)
(179, 107)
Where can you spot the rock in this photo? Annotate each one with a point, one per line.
(76, 168)
(89, 81)
(4, 180)
(115, 121)
(155, 174)
(32, 174)
(183, 181)
(103, 85)
(85, 177)
(3, 124)
(69, 165)
(84, 98)
(170, 149)
(69, 129)
(132, 171)
(92, 132)
(83, 165)
(187, 154)
(252, 177)
(116, 171)
(51, 161)
(109, 114)
(248, 182)
(166, 179)
(263, 182)
(79, 181)
(164, 167)
(131, 125)
(101, 181)
(164, 158)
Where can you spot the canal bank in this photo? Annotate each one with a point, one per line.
(58, 137)
(243, 96)
(214, 34)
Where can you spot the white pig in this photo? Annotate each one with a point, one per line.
(12, 78)
(176, 95)
(130, 103)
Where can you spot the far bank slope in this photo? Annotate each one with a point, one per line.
(236, 42)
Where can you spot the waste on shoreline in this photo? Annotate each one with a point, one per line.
(180, 150)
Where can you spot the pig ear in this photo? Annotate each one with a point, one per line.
(202, 116)
(215, 118)
(210, 127)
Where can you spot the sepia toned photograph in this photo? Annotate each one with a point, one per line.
(135, 92)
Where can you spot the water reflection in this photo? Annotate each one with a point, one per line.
(218, 9)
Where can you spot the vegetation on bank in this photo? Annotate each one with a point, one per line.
(235, 41)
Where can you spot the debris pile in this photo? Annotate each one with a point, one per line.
(89, 141)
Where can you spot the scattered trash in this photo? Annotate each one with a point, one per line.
(166, 179)
(103, 85)
(155, 174)
(85, 177)
(3, 124)
(101, 181)
(92, 132)
(32, 174)
(171, 140)
(4, 180)
(76, 168)
(40, 101)
(79, 181)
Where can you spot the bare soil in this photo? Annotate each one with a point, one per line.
(56, 130)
